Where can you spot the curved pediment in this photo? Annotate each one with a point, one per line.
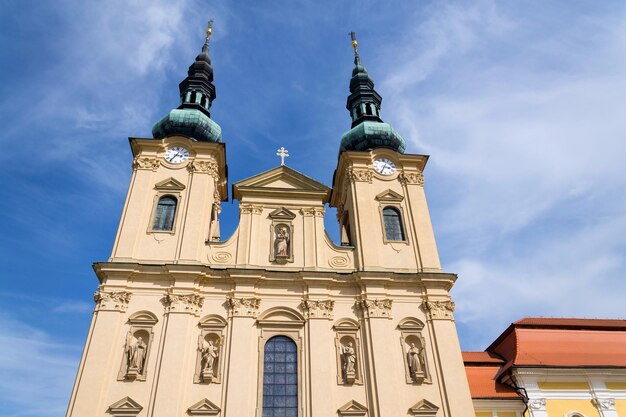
(410, 323)
(281, 316)
(143, 317)
(213, 321)
(346, 324)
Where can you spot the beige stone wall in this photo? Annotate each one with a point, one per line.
(278, 274)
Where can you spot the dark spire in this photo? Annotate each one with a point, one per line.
(368, 129)
(197, 92)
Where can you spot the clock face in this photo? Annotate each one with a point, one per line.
(176, 155)
(384, 166)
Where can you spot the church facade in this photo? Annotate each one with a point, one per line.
(277, 320)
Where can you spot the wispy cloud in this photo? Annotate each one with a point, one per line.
(526, 131)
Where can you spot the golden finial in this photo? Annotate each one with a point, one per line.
(355, 45)
(209, 31)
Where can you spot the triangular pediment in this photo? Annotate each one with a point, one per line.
(424, 408)
(204, 407)
(389, 195)
(352, 408)
(282, 213)
(170, 184)
(125, 407)
(281, 179)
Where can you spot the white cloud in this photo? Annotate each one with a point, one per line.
(528, 140)
(38, 371)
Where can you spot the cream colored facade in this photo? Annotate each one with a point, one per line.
(166, 296)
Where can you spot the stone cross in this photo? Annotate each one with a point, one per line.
(282, 152)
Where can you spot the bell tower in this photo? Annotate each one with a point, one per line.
(179, 178)
(378, 190)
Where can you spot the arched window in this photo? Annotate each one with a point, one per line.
(193, 97)
(393, 224)
(165, 212)
(368, 109)
(280, 378)
(359, 112)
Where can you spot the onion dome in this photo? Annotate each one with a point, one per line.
(197, 92)
(368, 130)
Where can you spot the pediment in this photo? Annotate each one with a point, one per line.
(125, 407)
(424, 408)
(143, 317)
(389, 195)
(204, 407)
(410, 323)
(282, 214)
(281, 179)
(346, 324)
(169, 184)
(213, 321)
(352, 408)
(281, 316)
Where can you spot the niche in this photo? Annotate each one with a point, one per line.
(137, 347)
(413, 351)
(348, 348)
(210, 350)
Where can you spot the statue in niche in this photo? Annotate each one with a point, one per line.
(414, 360)
(348, 356)
(136, 354)
(281, 242)
(209, 353)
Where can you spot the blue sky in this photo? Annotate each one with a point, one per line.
(519, 104)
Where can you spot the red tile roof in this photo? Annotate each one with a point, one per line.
(483, 385)
(482, 358)
(563, 343)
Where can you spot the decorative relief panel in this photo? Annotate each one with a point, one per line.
(247, 208)
(361, 175)
(537, 404)
(204, 167)
(312, 211)
(183, 303)
(318, 309)
(210, 350)
(411, 178)
(380, 307)
(439, 310)
(146, 163)
(111, 300)
(604, 403)
(243, 307)
(348, 352)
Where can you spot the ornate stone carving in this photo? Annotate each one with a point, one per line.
(604, 403)
(338, 261)
(439, 310)
(243, 307)
(222, 257)
(411, 178)
(184, 303)
(250, 208)
(318, 309)
(146, 163)
(537, 404)
(208, 358)
(363, 175)
(375, 307)
(348, 363)
(114, 300)
(312, 211)
(205, 167)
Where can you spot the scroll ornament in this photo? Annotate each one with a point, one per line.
(244, 307)
(114, 300)
(439, 310)
(184, 303)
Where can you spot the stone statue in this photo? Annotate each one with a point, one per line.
(282, 241)
(209, 354)
(413, 359)
(137, 355)
(349, 361)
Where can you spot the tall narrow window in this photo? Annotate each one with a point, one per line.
(393, 224)
(280, 378)
(165, 212)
